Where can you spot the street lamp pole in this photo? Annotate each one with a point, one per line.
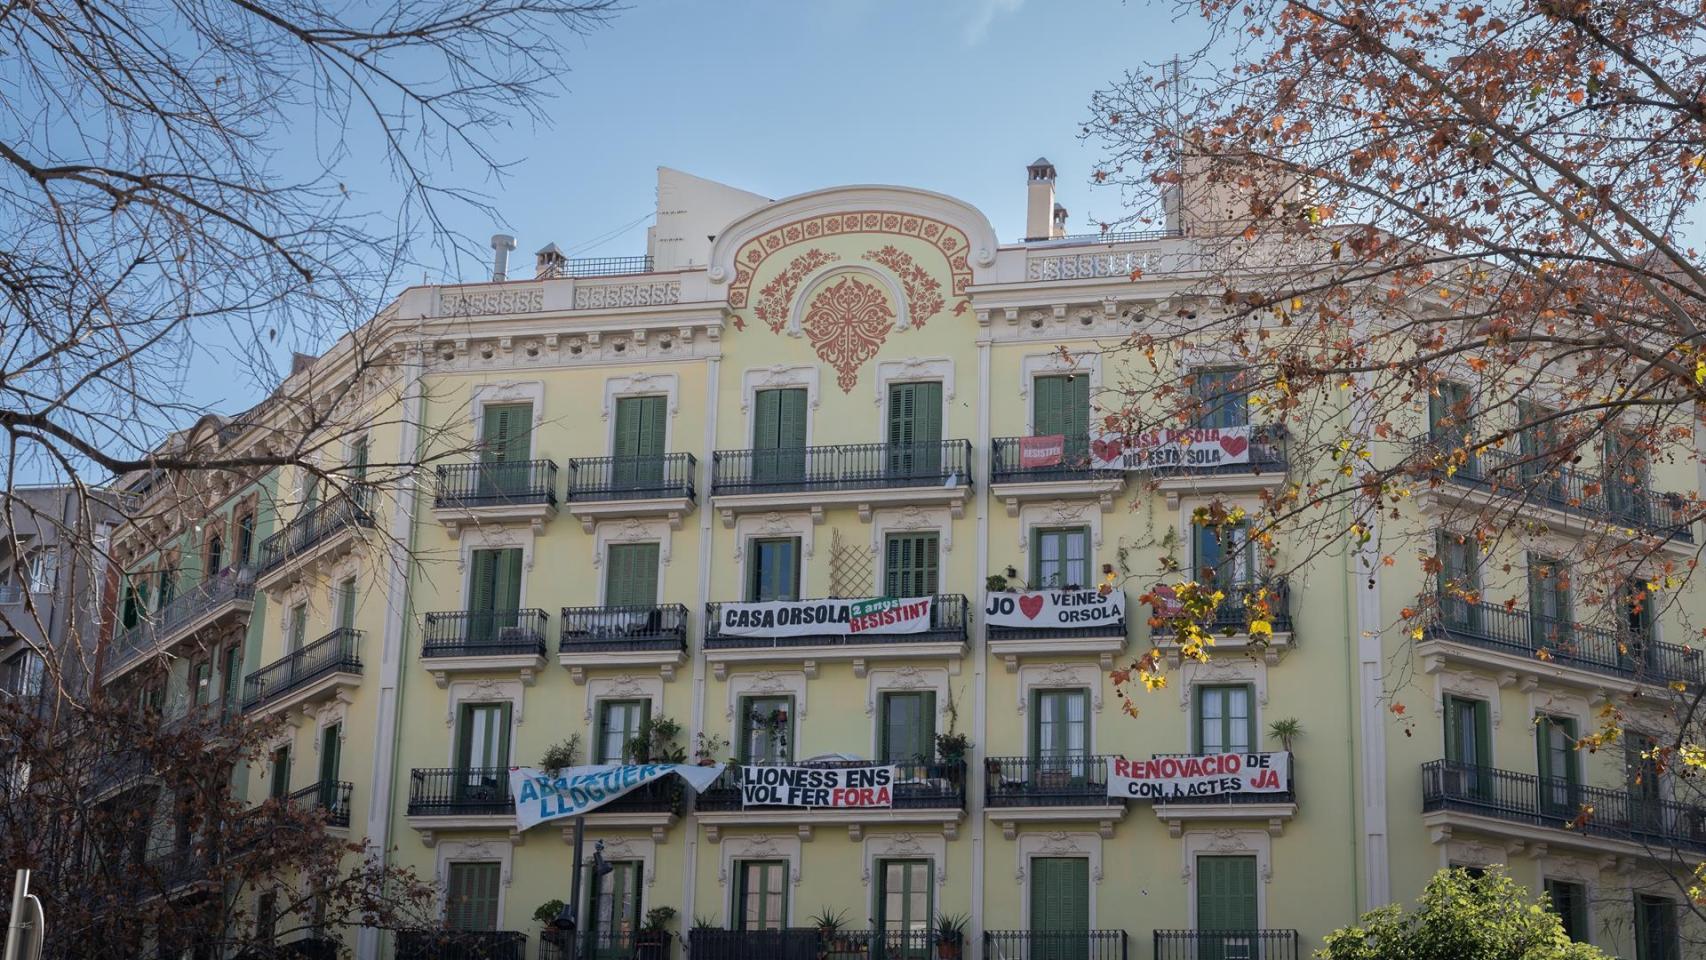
(568, 918)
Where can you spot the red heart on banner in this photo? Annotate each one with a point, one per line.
(1030, 606)
(1234, 445)
(1107, 449)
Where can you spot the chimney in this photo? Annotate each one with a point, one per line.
(300, 362)
(1059, 221)
(1039, 200)
(502, 244)
(548, 263)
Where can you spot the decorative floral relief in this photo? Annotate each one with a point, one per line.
(848, 320)
(774, 299)
(923, 292)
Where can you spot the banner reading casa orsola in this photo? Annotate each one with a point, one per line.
(843, 787)
(573, 791)
(1186, 778)
(796, 618)
(1157, 449)
(1054, 609)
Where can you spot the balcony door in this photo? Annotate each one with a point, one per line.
(1226, 556)
(1625, 477)
(638, 444)
(471, 897)
(1224, 720)
(1559, 766)
(910, 565)
(767, 729)
(1450, 415)
(915, 430)
(279, 786)
(331, 753)
(761, 902)
(1656, 933)
(631, 577)
(615, 911)
(1226, 908)
(1220, 398)
(908, 728)
(773, 569)
(1060, 558)
(346, 604)
(905, 908)
(1538, 445)
(1468, 749)
(482, 753)
(779, 435)
(619, 723)
(1645, 784)
(494, 594)
(1061, 405)
(506, 444)
(1549, 611)
(1459, 582)
(1060, 908)
(1060, 738)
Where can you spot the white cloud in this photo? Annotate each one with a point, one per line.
(983, 14)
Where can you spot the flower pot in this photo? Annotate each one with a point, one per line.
(946, 950)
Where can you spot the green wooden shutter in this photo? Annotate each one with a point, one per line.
(631, 577)
(911, 565)
(346, 604)
(1226, 893)
(358, 460)
(507, 433)
(908, 728)
(1061, 404)
(779, 433)
(331, 751)
(473, 900)
(1060, 894)
(1209, 555)
(640, 425)
(483, 581)
(508, 593)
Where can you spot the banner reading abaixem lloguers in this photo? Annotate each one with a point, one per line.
(567, 793)
(1183, 779)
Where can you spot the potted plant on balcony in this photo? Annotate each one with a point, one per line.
(951, 751)
(547, 915)
(1285, 731)
(651, 942)
(829, 923)
(655, 743)
(562, 755)
(950, 935)
(707, 748)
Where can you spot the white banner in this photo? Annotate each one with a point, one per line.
(799, 618)
(1054, 609)
(1159, 449)
(834, 787)
(573, 791)
(1182, 779)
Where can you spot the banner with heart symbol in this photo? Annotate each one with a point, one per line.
(1164, 449)
(1054, 609)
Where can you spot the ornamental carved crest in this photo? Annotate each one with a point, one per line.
(847, 322)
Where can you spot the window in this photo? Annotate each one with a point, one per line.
(907, 731)
(779, 434)
(631, 575)
(619, 721)
(1060, 404)
(768, 729)
(1060, 728)
(166, 587)
(266, 916)
(1468, 746)
(773, 569)
(615, 910)
(482, 741)
(1225, 555)
(201, 683)
(1225, 723)
(910, 565)
(1060, 558)
(1450, 412)
(215, 559)
(1226, 899)
(1656, 934)
(506, 445)
(1645, 782)
(1219, 398)
(761, 902)
(1625, 475)
(296, 628)
(358, 460)
(1559, 765)
(1459, 581)
(1548, 601)
(638, 442)
(1539, 447)
(471, 901)
(915, 429)
(279, 786)
(245, 538)
(44, 570)
(1570, 902)
(133, 606)
(233, 675)
(494, 593)
(904, 905)
(346, 603)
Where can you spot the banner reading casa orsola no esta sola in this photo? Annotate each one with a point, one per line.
(1211, 775)
(842, 617)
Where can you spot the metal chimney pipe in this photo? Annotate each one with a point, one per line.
(502, 244)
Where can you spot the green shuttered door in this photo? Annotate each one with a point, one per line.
(639, 441)
(494, 593)
(779, 434)
(506, 443)
(915, 429)
(632, 577)
(1226, 904)
(472, 903)
(910, 567)
(1061, 405)
(1060, 905)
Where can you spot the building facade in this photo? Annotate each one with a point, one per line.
(825, 396)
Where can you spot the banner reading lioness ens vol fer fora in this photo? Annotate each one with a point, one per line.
(839, 617)
(832, 787)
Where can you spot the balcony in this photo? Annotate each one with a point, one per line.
(1541, 648)
(1072, 477)
(461, 945)
(178, 872)
(623, 637)
(617, 487)
(484, 641)
(522, 491)
(324, 669)
(925, 794)
(225, 600)
(316, 536)
(860, 475)
(331, 796)
(1569, 500)
(1228, 945)
(478, 798)
(1231, 623)
(1051, 944)
(1556, 813)
(1102, 640)
(1275, 809)
(1019, 790)
(944, 639)
(608, 945)
(804, 943)
(1266, 469)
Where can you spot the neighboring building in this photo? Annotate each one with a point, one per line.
(823, 396)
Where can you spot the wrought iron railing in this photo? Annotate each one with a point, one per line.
(607, 945)
(484, 633)
(1628, 815)
(604, 629)
(308, 530)
(336, 652)
(1233, 614)
(1107, 236)
(919, 785)
(11, 593)
(235, 584)
(947, 622)
(1115, 628)
(790, 944)
(1520, 632)
(1047, 781)
(174, 868)
(1007, 466)
(1227, 945)
(502, 484)
(461, 945)
(332, 796)
(1267, 457)
(468, 791)
(853, 466)
(668, 475)
(1534, 480)
(605, 266)
(1056, 945)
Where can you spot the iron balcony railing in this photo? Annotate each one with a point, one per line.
(607, 945)
(484, 791)
(606, 629)
(810, 944)
(666, 476)
(509, 483)
(947, 622)
(1005, 465)
(234, 584)
(484, 633)
(1057, 945)
(1116, 628)
(1618, 653)
(310, 529)
(1533, 479)
(332, 796)
(1288, 795)
(1630, 815)
(1227, 945)
(461, 945)
(1108, 236)
(1047, 781)
(1267, 457)
(11, 593)
(1233, 614)
(174, 868)
(605, 266)
(853, 466)
(336, 652)
(919, 785)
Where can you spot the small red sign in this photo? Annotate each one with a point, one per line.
(1041, 451)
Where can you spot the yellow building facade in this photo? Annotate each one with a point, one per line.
(825, 396)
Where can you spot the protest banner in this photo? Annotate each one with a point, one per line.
(541, 796)
(1037, 452)
(833, 787)
(1054, 609)
(798, 618)
(1161, 449)
(1182, 779)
